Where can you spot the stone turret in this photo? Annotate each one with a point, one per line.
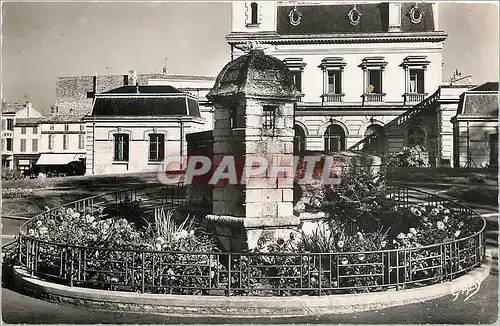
(254, 98)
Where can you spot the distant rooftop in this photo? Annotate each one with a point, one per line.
(486, 87)
(144, 89)
(12, 107)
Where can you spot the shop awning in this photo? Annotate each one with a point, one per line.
(56, 159)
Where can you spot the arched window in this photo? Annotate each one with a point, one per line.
(375, 139)
(334, 138)
(299, 140)
(254, 11)
(415, 136)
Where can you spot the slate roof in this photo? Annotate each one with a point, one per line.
(331, 19)
(481, 101)
(486, 87)
(255, 74)
(11, 107)
(144, 89)
(62, 118)
(145, 106)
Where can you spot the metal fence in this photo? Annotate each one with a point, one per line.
(260, 274)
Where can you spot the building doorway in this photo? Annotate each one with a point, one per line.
(334, 138)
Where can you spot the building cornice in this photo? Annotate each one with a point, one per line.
(273, 38)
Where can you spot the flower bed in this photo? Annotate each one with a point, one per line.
(417, 239)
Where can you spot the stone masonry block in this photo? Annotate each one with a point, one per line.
(270, 209)
(285, 209)
(287, 195)
(219, 207)
(253, 210)
(253, 195)
(272, 195)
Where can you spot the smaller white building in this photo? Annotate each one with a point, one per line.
(133, 128)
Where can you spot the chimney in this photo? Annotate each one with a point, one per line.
(165, 68)
(394, 17)
(29, 107)
(132, 77)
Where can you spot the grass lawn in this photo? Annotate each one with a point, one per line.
(454, 176)
(53, 192)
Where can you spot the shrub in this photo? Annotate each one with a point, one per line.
(415, 156)
(358, 202)
(477, 194)
(16, 193)
(9, 174)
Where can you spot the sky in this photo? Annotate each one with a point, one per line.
(43, 40)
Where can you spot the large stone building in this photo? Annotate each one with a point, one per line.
(359, 66)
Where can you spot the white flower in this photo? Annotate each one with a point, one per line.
(446, 218)
(43, 230)
(31, 232)
(417, 213)
(340, 244)
(344, 261)
(394, 242)
(457, 233)
(360, 235)
(39, 223)
(413, 231)
(401, 236)
(425, 219)
(191, 232)
(409, 235)
(446, 211)
(383, 244)
(461, 224)
(46, 208)
(158, 247)
(76, 215)
(440, 225)
(434, 212)
(183, 234)
(89, 219)
(114, 280)
(160, 240)
(440, 207)
(361, 257)
(70, 211)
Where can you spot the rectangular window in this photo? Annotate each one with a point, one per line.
(34, 145)
(81, 141)
(66, 127)
(23, 130)
(156, 147)
(9, 144)
(10, 124)
(297, 79)
(269, 115)
(23, 145)
(35, 130)
(51, 141)
(65, 141)
(121, 147)
(416, 83)
(334, 82)
(374, 81)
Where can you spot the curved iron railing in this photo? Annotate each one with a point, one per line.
(223, 273)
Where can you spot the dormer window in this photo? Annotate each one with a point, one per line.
(253, 15)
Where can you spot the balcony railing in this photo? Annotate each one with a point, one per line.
(413, 98)
(373, 97)
(326, 98)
